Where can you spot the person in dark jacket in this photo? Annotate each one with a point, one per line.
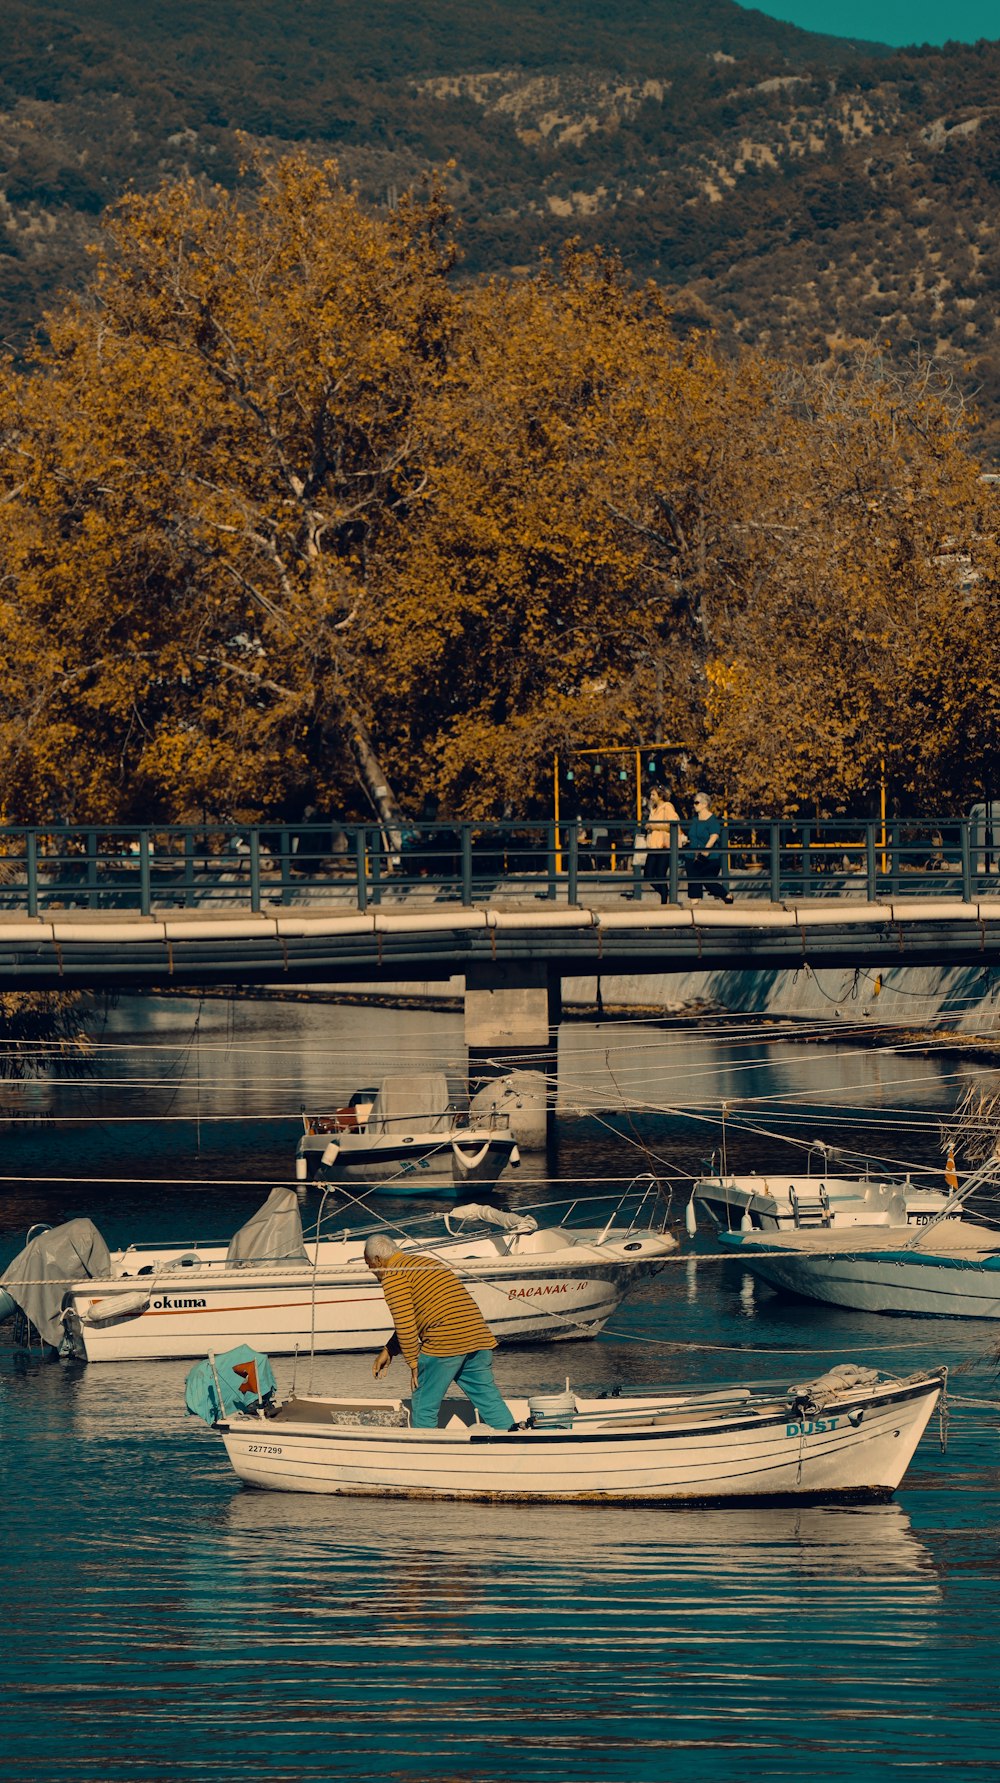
(705, 852)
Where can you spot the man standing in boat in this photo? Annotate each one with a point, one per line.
(439, 1331)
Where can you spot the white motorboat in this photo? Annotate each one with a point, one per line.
(946, 1268)
(284, 1293)
(953, 1274)
(779, 1201)
(407, 1136)
(850, 1434)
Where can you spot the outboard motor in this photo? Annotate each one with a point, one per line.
(37, 1280)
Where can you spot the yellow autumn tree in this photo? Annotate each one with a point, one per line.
(558, 553)
(865, 643)
(285, 515)
(197, 476)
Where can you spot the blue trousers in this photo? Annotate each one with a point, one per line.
(473, 1373)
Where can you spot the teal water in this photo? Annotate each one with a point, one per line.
(162, 1622)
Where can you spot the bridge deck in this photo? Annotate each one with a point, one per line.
(417, 936)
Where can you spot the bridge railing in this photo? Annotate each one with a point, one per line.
(195, 866)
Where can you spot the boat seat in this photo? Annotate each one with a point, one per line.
(343, 1411)
(526, 1243)
(463, 1417)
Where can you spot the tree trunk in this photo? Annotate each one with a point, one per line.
(370, 771)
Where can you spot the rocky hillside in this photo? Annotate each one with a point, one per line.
(793, 190)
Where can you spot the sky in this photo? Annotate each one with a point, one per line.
(891, 21)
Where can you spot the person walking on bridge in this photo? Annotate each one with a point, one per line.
(705, 869)
(439, 1330)
(663, 815)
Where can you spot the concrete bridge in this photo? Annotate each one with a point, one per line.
(512, 910)
(512, 957)
(509, 941)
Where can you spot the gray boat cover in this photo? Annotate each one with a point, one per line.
(414, 1101)
(48, 1265)
(273, 1235)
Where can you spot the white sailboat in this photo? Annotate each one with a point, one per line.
(272, 1287)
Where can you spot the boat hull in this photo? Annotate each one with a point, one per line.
(423, 1165)
(895, 1282)
(859, 1449)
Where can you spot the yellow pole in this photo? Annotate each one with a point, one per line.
(638, 787)
(881, 765)
(555, 810)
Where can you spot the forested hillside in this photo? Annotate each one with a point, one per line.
(799, 192)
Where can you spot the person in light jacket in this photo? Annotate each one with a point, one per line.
(662, 813)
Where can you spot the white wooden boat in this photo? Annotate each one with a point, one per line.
(407, 1137)
(284, 1293)
(851, 1434)
(951, 1272)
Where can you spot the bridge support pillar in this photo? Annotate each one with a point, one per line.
(512, 1017)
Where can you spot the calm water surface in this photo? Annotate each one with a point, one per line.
(164, 1623)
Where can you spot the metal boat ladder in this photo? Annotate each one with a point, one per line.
(810, 1210)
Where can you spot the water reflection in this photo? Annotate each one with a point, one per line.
(549, 1543)
(164, 1621)
(691, 1279)
(213, 1090)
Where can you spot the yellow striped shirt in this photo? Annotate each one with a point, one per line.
(431, 1310)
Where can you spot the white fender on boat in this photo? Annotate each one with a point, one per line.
(115, 1308)
(301, 1169)
(332, 1153)
(462, 1159)
(746, 1223)
(691, 1218)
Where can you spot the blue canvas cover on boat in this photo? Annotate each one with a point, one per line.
(242, 1376)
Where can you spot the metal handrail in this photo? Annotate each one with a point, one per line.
(150, 866)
